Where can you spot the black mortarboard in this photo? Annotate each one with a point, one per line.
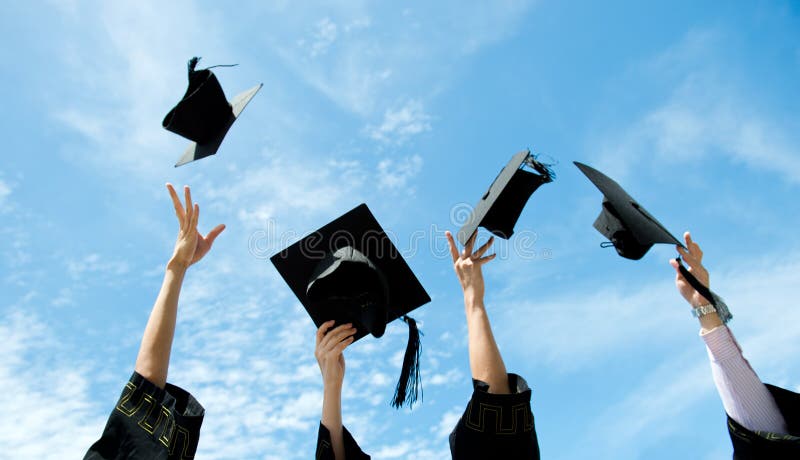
(630, 228)
(204, 115)
(501, 205)
(350, 271)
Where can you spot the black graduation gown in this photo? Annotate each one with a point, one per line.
(759, 445)
(496, 426)
(325, 449)
(150, 423)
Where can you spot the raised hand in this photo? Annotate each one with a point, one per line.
(468, 265)
(329, 351)
(693, 258)
(191, 246)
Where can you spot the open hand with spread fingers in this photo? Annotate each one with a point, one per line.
(467, 265)
(191, 246)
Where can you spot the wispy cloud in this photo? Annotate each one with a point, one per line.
(660, 403)
(126, 93)
(5, 191)
(401, 124)
(323, 37)
(95, 263)
(396, 174)
(36, 386)
(709, 112)
(366, 54)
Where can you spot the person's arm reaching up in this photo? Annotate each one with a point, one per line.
(485, 360)
(152, 361)
(745, 398)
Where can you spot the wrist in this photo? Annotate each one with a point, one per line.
(177, 265)
(707, 316)
(710, 321)
(473, 298)
(332, 387)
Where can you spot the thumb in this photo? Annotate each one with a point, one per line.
(214, 233)
(674, 264)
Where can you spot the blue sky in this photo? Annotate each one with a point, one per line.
(411, 108)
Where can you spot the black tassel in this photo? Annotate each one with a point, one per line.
(696, 284)
(409, 385)
(545, 169)
(192, 64)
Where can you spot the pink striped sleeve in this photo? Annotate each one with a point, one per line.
(745, 398)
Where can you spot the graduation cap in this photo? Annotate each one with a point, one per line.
(204, 115)
(501, 205)
(633, 231)
(630, 228)
(351, 272)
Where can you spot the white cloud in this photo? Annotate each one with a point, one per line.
(401, 124)
(134, 74)
(324, 36)
(663, 401)
(448, 421)
(284, 187)
(37, 388)
(707, 114)
(93, 264)
(399, 450)
(384, 49)
(396, 174)
(5, 191)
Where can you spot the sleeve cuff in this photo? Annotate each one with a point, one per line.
(721, 344)
(325, 449)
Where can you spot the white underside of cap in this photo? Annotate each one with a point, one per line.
(193, 151)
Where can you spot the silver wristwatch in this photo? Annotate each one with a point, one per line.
(721, 310)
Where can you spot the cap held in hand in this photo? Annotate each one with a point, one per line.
(351, 272)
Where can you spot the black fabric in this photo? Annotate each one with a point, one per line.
(203, 112)
(622, 220)
(500, 207)
(150, 423)
(503, 215)
(347, 285)
(496, 426)
(325, 449)
(358, 229)
(760, 445)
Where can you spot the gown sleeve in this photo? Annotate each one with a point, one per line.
(496, 425)
(758, 445)
(149, 422)
(325, 449)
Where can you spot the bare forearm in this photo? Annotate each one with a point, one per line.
(154, 352)
(485, 360)
(332, 418)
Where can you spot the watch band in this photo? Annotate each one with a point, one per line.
(703, 310)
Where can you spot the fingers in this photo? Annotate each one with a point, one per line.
(339, 349)
(452, 244)
(214, 233)
(195, 216)
(676, 265)
(176, 202)
(189, 208)
(324, 329)
(485, 259)
(334, 337)
(481, 250)
(693, 260)
(470, 243)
